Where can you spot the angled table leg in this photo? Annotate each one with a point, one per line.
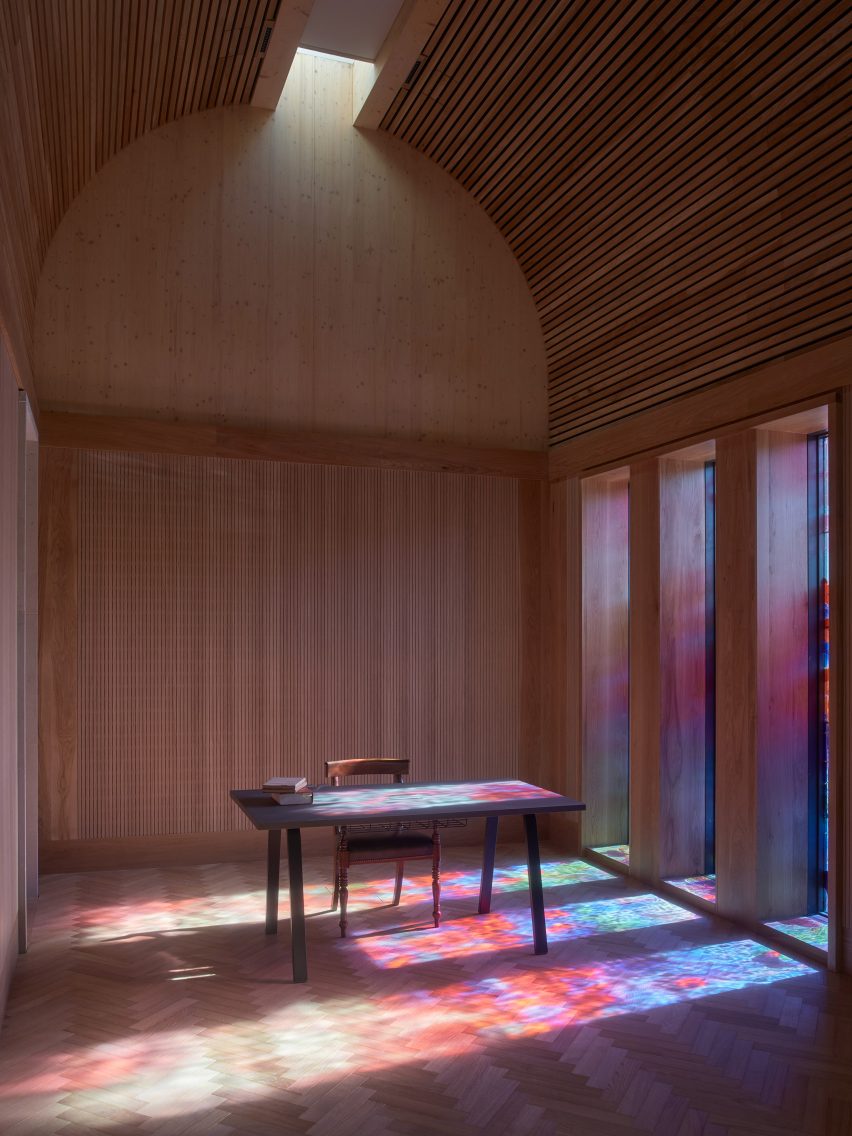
(273, 868)
(488, 853)
(297, 905)
(536, 893)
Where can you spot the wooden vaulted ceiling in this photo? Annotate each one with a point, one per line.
(79, 80)
(673, 178)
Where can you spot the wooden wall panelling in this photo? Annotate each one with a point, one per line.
(533, 505)
(605, 666)
(737, 849)
(59, 483)
(80, 81)
(302, 275)
(547, 118)
(645, 667)
(27, 666)
(782, 721)
(562, 648)
(667, 665)
(762, 675)
(8, 672)
(239, 618)
(22, 205)
(682, 668)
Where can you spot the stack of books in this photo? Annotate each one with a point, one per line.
(288, 790)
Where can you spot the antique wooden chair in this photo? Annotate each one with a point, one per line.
(380, 843)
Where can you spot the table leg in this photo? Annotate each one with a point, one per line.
(488, 853)
(536, 893)
(273, 867)
(297, 905)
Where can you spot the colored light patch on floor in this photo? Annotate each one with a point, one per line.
(554, 874)
(506, 930)
(540, 1002)
(619, 852)
(704, 887)
(311, 1041)
(386, 798)
(810, 929)
(148, 917)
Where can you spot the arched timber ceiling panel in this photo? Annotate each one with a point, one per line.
(673, 178)
(81, 79)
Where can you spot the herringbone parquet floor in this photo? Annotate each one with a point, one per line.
(152, 1002)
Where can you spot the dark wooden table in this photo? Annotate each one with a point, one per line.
(415, 801)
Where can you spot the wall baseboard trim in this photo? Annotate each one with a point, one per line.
(112, 432)
(8, 961)
(62, 856)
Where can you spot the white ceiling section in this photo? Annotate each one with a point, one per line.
(355, 29)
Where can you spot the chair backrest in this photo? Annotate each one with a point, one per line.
(396, 767)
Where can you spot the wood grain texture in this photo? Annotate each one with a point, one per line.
(605, 684)
(79, 81)
(152, 436)
(562, 652)
(737, 851)
(169, 972)
(59, 857)
(59, 598)
(782, 659)
(300, 275)
(645, 670)
(8, 671)
(532, 528)
(240, 619)
(672, 179)
(285, 35)
(682, 638)
(376, 85)
(762, 674)
(761, 395)
(27, 631)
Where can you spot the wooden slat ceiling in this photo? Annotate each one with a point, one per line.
(673, 178)
(83, 78)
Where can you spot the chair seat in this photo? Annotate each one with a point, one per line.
(388, 847)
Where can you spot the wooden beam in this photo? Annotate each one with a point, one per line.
(605, 705)
(667, 668)
(375, 85)
(562, 670)
(151, 436)
(762, 394)
(286, 36)
(762, 675)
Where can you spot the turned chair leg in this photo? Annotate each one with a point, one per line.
(397, 889)
(336, 870)
(436, 876)
(343, 878)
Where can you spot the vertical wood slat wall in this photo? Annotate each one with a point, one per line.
(8, 670)
(243, 618)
